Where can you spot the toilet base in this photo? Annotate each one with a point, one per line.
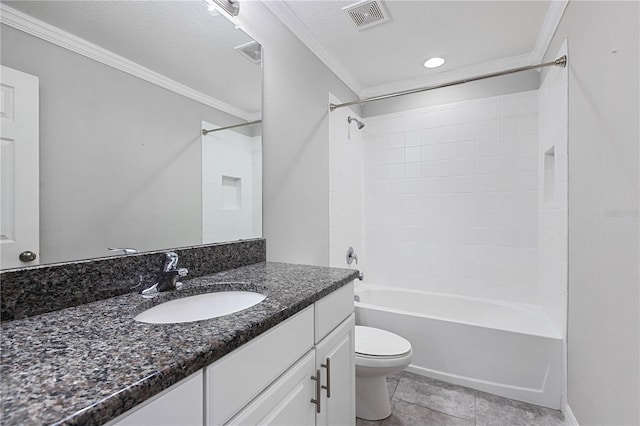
(372, 398)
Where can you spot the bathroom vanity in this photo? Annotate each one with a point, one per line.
(93, 364)
(273, 379)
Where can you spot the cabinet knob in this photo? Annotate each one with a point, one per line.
(27, 256)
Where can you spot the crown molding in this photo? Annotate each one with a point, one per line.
(549, 27)
(291, 21)
(446, 76)
(47, 32)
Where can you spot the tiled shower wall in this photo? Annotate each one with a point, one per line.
(450, 198)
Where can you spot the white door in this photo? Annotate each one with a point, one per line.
(19, 194)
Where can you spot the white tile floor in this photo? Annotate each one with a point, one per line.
(418, 400)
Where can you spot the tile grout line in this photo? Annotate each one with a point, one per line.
(475, 409)
(437, 411)
(538, 412)
(438, 384)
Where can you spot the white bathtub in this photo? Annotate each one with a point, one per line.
(507, 349)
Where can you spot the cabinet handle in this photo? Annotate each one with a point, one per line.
(328, 367)
(317, 400)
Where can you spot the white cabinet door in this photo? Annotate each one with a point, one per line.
(335, 359)
(285, 402)
(239, 377)
(180, 405)
(19, 188)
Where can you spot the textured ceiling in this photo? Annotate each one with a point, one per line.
(177, 39)
(466, 33)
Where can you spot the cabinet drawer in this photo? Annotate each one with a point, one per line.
(287, 401)
(332, 310)
(233, 381)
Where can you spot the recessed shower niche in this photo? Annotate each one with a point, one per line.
(231, 193)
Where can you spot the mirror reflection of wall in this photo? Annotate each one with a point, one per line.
(231, 184)
(120, 150)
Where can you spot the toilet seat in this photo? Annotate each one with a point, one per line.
(374, 343)
(382, 357)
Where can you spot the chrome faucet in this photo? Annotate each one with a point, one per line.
(168, 276)
(351, 256)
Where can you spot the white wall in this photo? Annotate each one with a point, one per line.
(296, 140)
(451, 198)
(346, 175)
(604, 294)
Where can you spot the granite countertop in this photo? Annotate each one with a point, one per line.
(90, 363)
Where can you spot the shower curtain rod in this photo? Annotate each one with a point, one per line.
(206, 132)
(560, 62)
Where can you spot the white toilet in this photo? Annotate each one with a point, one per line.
(378, 353)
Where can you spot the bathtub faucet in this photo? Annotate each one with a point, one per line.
(351, 256)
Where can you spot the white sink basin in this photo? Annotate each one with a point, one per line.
(200, 307)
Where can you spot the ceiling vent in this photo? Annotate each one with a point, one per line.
(252, 51)
(367, 14)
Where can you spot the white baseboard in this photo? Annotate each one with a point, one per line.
(569, 418)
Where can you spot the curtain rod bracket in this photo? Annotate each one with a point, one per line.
(561, 61)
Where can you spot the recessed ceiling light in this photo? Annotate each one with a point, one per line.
(434, 62)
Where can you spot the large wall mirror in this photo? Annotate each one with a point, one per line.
(125, 89)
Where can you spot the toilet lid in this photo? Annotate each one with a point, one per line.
(375, 342)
